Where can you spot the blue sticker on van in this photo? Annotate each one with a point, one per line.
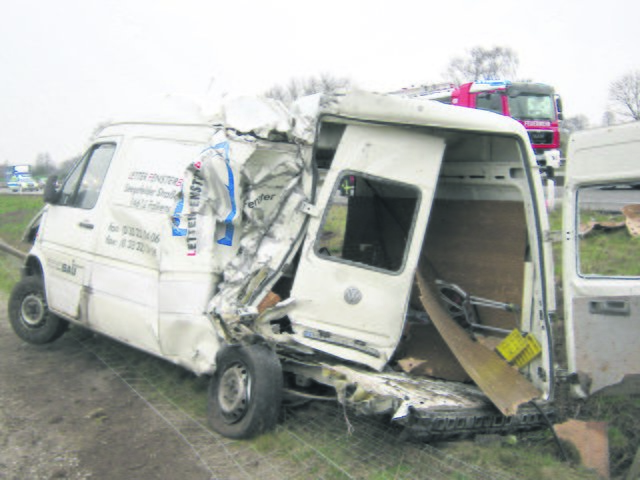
(176, 231)
(227, 240)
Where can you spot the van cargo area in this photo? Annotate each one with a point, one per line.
(477, 253)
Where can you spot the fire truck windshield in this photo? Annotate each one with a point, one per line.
(529, 106)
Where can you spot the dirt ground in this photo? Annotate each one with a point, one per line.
(64, 415)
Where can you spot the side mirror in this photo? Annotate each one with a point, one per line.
(559, 108)
(51, 195)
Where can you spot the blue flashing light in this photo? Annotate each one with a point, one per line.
(493, 83)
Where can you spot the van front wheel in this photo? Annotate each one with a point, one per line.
(29, 314)
(245, 392)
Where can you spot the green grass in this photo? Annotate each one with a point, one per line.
(533, 457)
(608, 252)
(333, 230)
(16, 211)
(602, 252)
(9, 272)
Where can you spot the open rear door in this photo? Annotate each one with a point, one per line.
(358, 261)
(601, 257)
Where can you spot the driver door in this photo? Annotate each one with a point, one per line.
(69, 235)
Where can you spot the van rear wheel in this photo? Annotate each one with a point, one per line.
(29, 314)
(245, 392)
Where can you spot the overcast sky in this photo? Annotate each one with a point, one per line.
(68, 65)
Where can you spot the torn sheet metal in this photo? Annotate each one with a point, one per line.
(504, 385)
(251, 190)
(258, 116)
(403, 392)
(267, 118)
(394, 393)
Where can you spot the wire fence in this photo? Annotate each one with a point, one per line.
(320, 440)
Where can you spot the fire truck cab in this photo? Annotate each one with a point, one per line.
(535, 105)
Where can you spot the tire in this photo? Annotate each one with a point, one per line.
(245, 392)
(29, 314)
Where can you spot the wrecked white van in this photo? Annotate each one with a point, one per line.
(391, 254)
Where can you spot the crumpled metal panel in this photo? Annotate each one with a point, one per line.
(399, 393)
(252, 189)
(257, 116)
(395, 393)
(265, 117)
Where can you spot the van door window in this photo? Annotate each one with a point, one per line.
(608, 224)
(368, 221)
(82, 186)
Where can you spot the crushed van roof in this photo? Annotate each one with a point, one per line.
(262, 116)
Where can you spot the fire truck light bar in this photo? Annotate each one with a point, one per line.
(485, 85)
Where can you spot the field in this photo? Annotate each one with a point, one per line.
(16, 211)
(310, 442)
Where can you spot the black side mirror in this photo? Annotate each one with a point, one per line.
(51, 194)
(559, 108)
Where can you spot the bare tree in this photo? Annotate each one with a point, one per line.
(43, 166)
(625, 94)
(300, 87)
(483, 64)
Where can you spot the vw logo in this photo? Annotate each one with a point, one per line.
(352, 295)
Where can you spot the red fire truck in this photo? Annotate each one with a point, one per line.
(534, 105)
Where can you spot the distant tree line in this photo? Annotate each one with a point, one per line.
(44, 166)
(483, 64)
(478, 63)
(300, 87)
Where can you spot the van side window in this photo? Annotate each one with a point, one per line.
(369, 221)
(609, 230)
(83, 184)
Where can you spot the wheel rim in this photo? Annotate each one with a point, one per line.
(234, 392)
(32, 310)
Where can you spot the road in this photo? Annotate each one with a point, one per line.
(5, 190)
(603, 199)
(64, 414)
